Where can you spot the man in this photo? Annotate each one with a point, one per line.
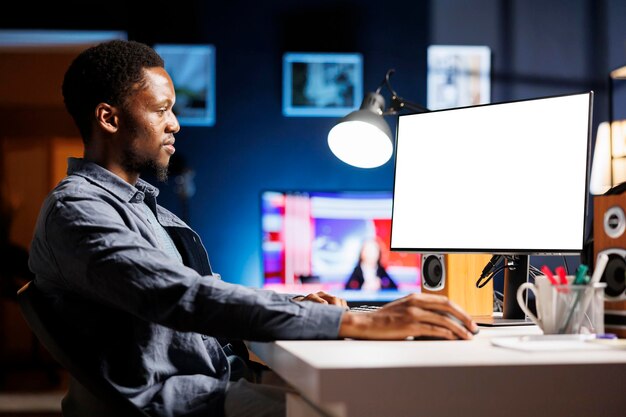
(134, 281)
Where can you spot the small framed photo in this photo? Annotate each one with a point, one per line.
(458, 76)
(322, 84)
(192, 68)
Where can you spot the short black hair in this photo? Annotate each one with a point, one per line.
(105, 73)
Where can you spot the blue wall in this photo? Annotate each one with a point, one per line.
(540, 47)
(253, 147)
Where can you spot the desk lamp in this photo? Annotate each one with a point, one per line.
(363, 137)
(609, 157)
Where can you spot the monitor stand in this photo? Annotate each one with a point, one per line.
(515, 275)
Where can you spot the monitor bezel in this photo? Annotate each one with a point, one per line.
(503, 251)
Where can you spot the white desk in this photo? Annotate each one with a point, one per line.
(348, 378)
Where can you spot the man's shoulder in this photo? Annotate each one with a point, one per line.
(77, 193)
(74, 186)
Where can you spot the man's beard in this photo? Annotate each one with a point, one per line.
(144, 165)
(160, 172)
(134, 164)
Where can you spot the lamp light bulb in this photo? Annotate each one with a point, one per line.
(360, 144)
(600, 181)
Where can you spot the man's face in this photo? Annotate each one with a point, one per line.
(147, 125)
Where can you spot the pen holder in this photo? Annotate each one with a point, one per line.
(565, 309)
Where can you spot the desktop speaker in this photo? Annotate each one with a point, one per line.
(609, 237)
(455, 276)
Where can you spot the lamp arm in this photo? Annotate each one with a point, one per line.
(398, 103)
(385, 82)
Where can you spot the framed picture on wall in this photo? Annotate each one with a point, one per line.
(192, 68)
(458, 76)
(322, 84)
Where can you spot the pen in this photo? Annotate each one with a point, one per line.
(606, 336)
(571, 312)
(603, 259)
(549, 274)
(581, 275)
(560, 271)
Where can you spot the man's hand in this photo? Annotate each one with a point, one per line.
(413, 315)
(323, 298)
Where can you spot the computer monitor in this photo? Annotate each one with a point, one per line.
(504, 178)
(312, 241)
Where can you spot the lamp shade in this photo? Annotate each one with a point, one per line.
(363, 138)
(609, 157)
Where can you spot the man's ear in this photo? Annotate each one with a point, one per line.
(107, 117)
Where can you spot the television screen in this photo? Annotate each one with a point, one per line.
(334, 241)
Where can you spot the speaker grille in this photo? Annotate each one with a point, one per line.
(615, 276)
(614, 222)
(432, 271)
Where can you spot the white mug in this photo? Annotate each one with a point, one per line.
(564, 308)
(543, 290)
(559, 307)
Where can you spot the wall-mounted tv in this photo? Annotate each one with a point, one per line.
(328, 240)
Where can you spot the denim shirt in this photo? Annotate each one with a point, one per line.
(150, 324)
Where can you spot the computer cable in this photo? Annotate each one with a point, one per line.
(498, 301)
(534, 271)
(495, 259)
(490, 270)
(565, 263)
(485, 280)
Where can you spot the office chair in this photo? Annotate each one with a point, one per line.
(88, 391)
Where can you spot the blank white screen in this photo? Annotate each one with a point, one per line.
(507, 177)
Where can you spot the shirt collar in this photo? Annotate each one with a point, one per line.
(111, 182)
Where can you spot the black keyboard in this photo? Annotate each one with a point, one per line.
(364, 309)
